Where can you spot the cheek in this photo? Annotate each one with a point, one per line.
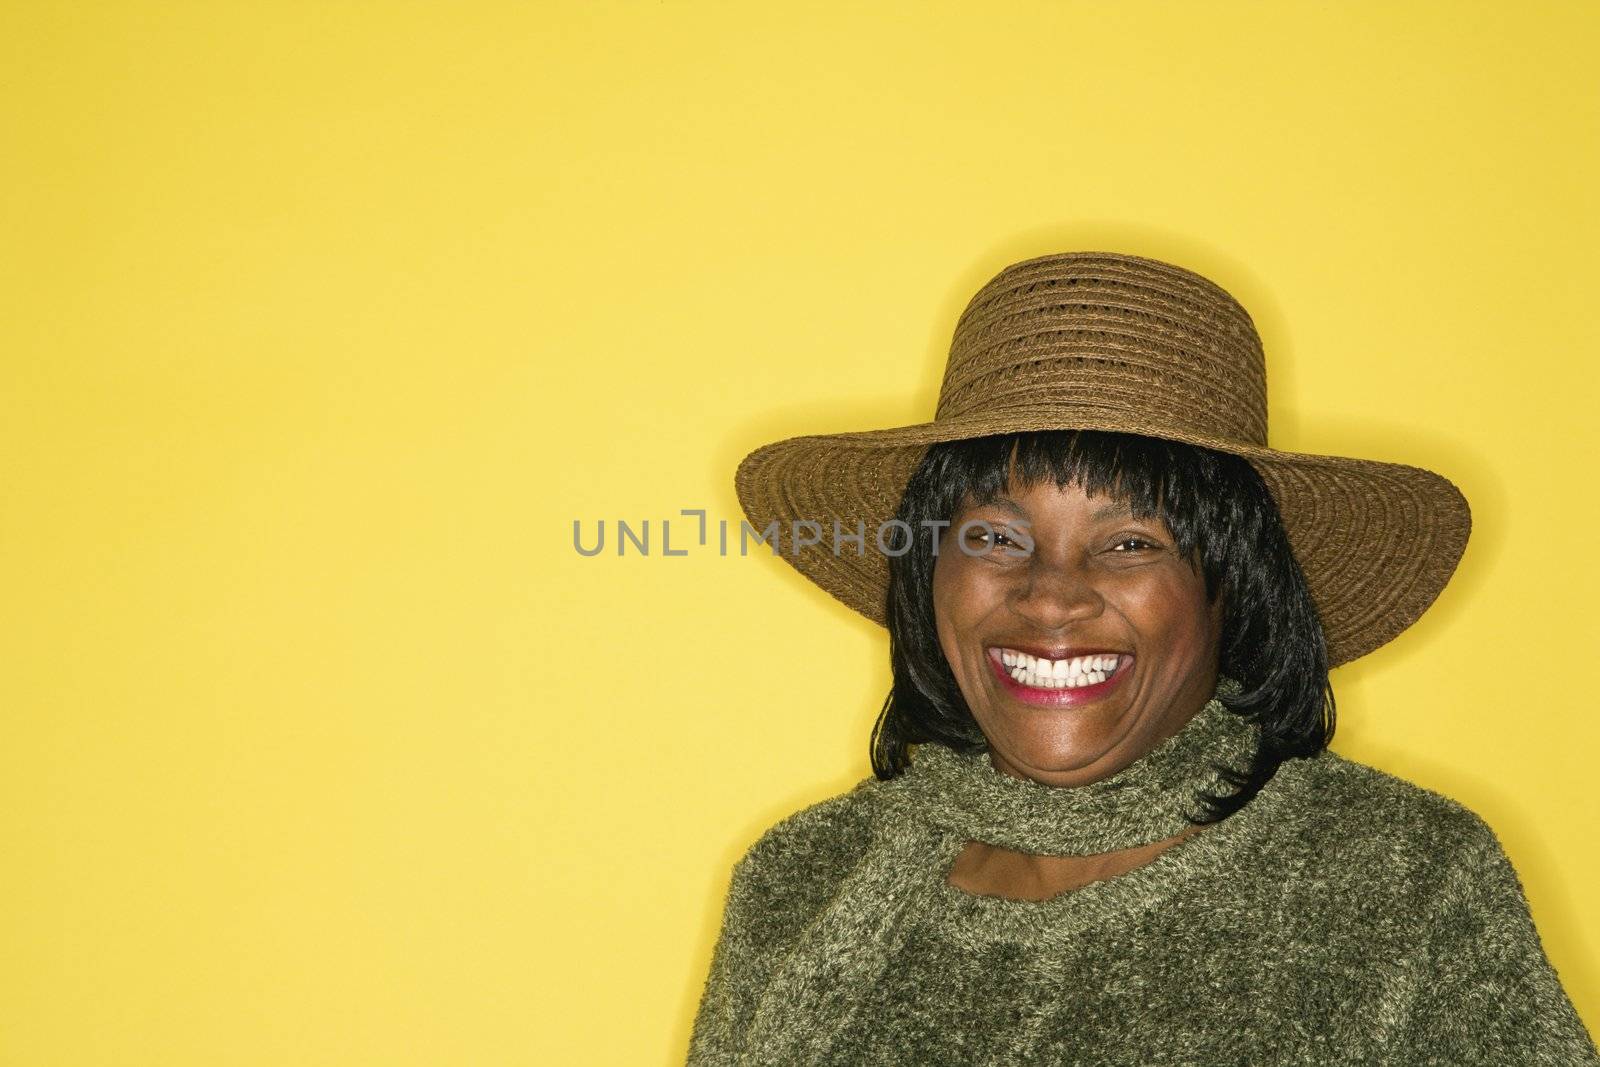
(956, 606)
(1171, 612)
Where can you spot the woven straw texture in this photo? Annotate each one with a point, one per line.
(1100, 340)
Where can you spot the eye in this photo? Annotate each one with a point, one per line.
(1133, 544)
(995, 540)
(978, 537)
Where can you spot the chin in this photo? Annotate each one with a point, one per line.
(1055, 754)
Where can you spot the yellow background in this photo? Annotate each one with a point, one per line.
(324, 321)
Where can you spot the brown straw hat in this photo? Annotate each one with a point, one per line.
(1104, 341)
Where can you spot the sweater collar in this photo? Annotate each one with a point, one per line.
(1143, 802)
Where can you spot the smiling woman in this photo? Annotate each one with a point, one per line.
(1104, 824)
(1129, 543)
(1121, 543)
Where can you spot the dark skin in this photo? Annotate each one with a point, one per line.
(1096, 578)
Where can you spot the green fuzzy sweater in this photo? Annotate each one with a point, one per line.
(1343, 916)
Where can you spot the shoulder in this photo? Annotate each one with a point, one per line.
(796, 865)
(1406, 898)
(1381, 835)
(1377, 799)
(829, 833)
(1400, 801)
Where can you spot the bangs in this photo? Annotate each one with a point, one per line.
(1151, 477)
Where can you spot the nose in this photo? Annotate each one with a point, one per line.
(1054, 596)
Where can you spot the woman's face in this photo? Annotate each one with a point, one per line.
(1083, 654)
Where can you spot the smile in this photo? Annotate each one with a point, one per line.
(1072, 680)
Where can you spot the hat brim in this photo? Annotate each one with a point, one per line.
(1377, 541)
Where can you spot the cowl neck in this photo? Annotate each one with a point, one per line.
(925, 816)
(1146, 801)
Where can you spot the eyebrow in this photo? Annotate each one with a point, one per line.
(1111, 511)
(1005, 503)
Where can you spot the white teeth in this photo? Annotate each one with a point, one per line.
(1058, 674)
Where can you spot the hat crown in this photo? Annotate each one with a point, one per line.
(1103, 335)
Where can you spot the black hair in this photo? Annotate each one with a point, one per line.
(1223, 520)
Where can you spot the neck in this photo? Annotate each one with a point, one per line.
(1154, 798)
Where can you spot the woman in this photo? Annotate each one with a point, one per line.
(1104, 824)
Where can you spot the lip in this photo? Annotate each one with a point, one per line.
(1057, 698)
(1058, 651)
